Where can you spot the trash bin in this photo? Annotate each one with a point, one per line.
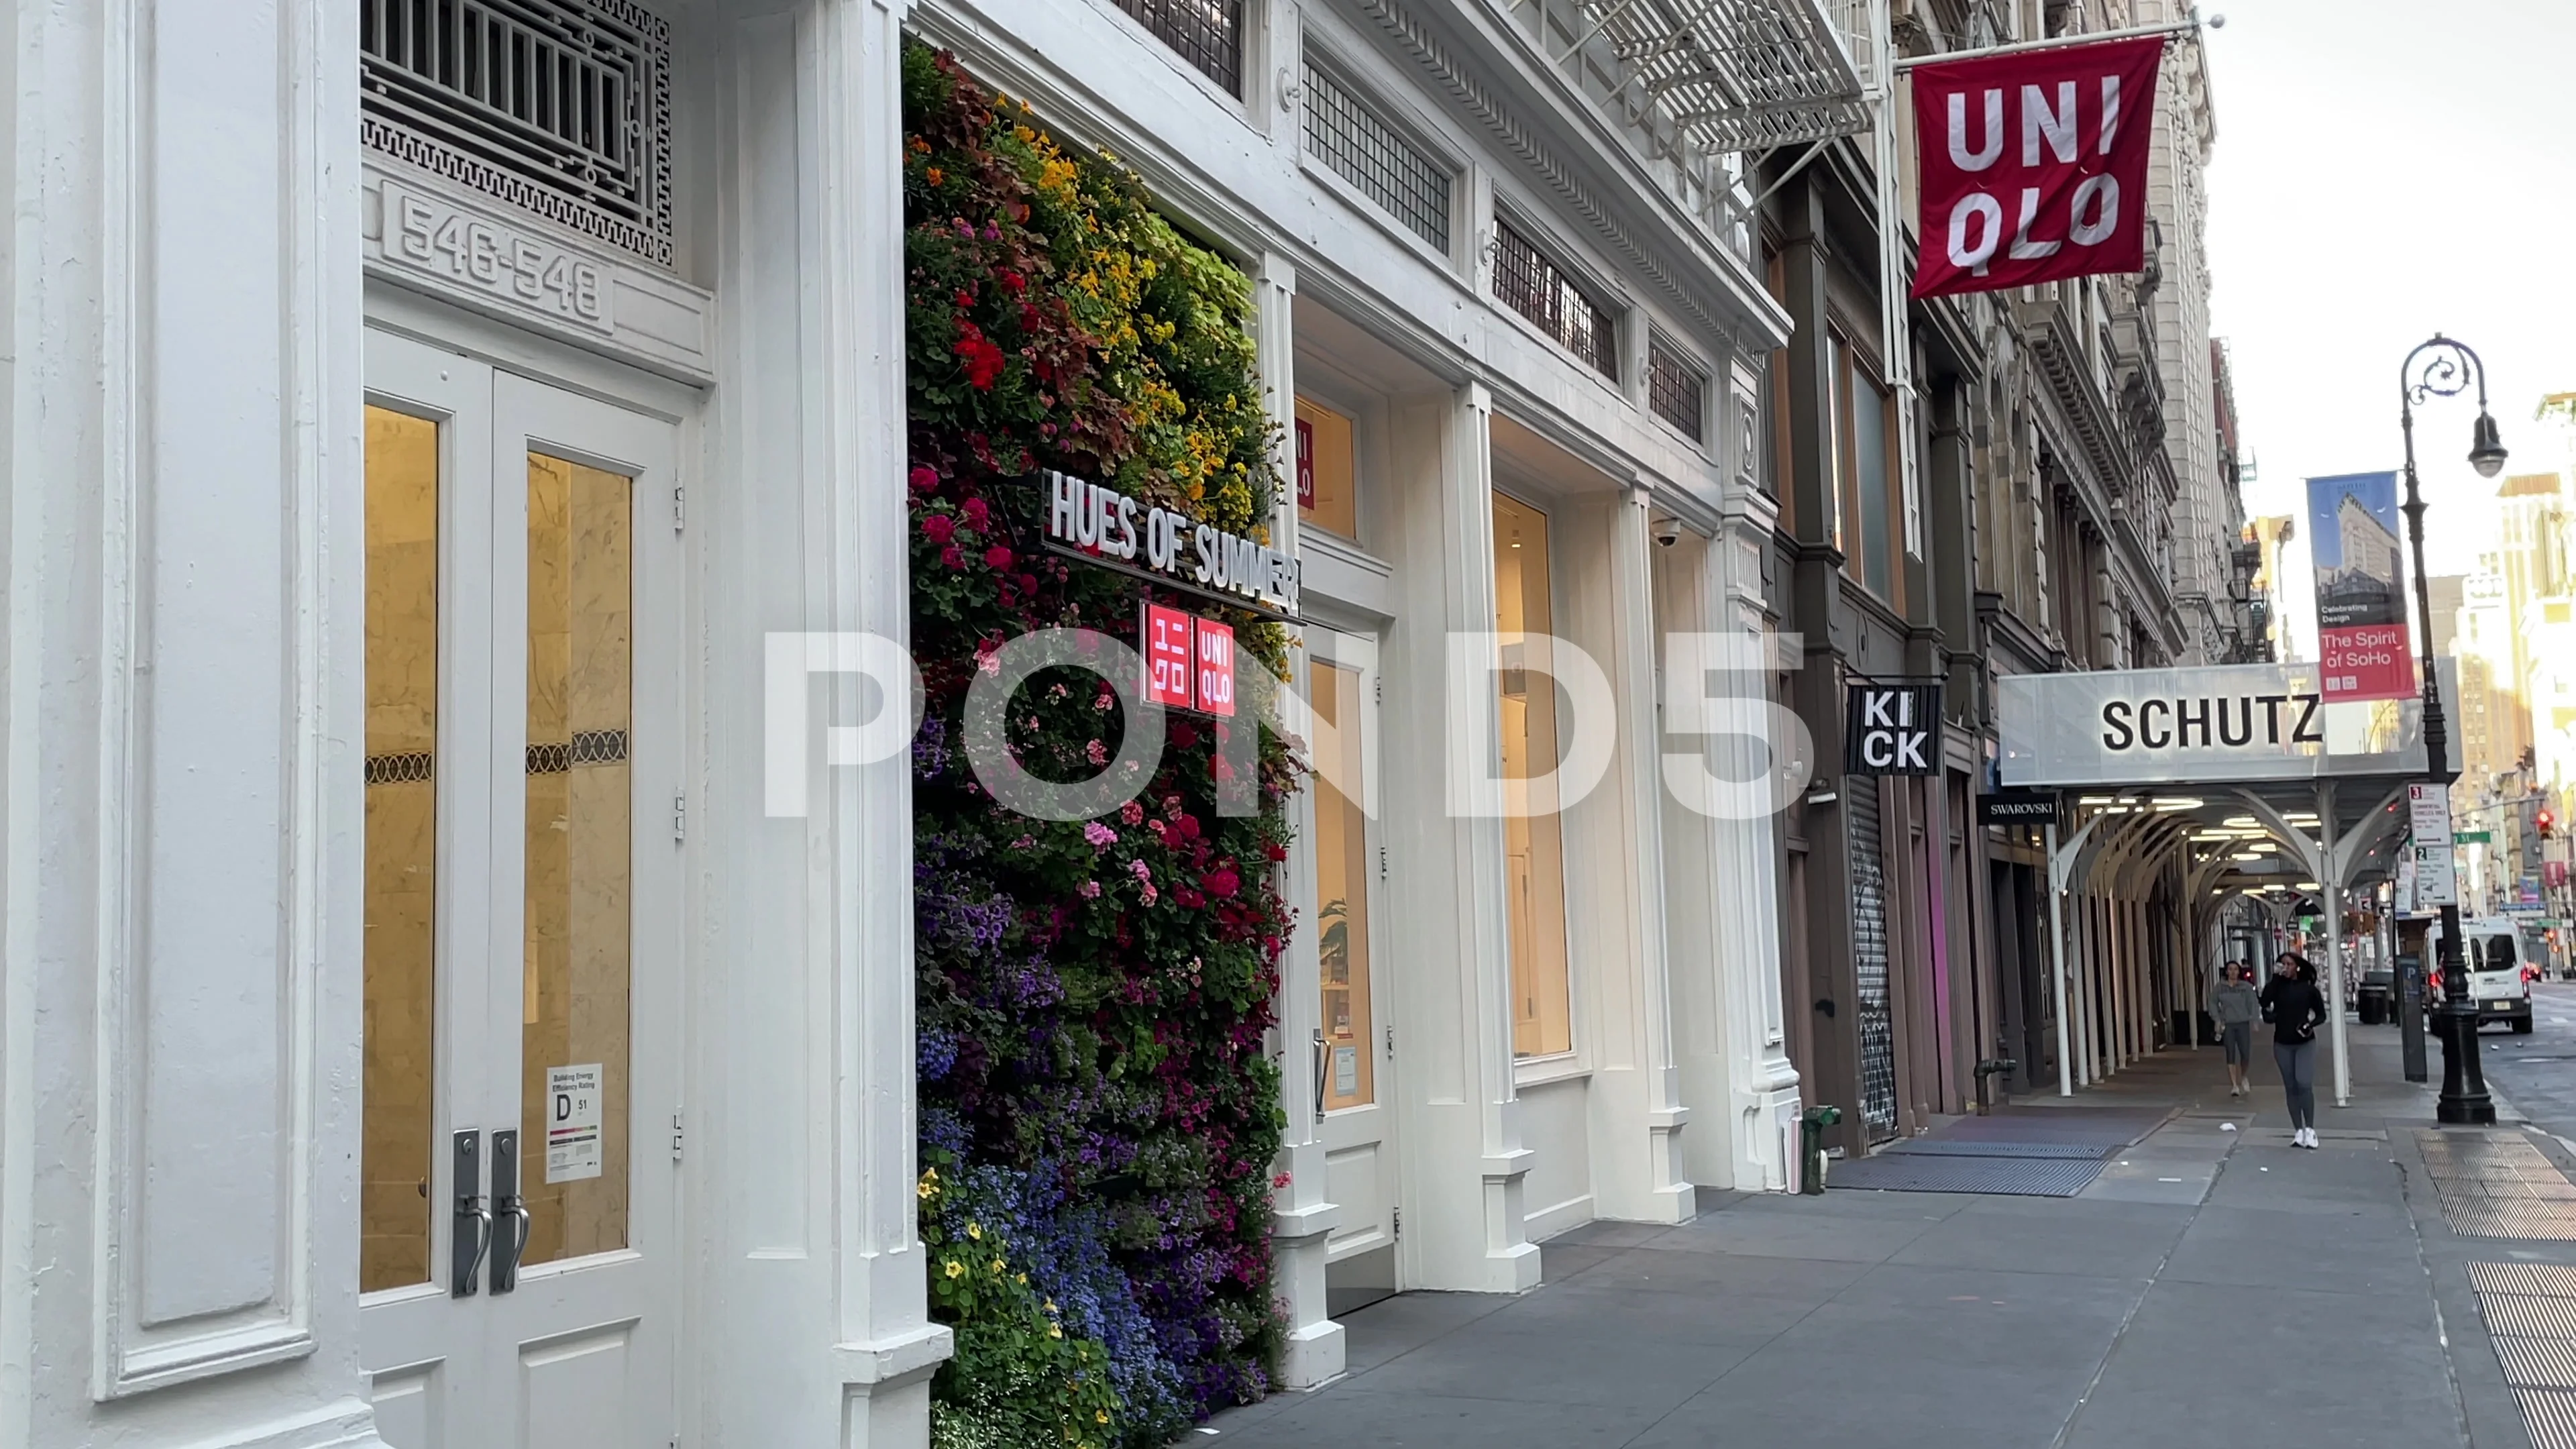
(2374, 1005)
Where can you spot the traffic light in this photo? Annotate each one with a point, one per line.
(2544, 822)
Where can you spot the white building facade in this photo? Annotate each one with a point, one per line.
(410, 456)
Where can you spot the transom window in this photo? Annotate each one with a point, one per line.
(1530, 283)
(1405, 181)
(1677, 391)
(1207, 33)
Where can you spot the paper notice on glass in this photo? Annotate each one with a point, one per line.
(572, 1122)
(1346, 1071)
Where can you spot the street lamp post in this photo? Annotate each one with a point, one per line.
(2441, 367)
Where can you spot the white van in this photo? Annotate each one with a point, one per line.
(2499, 977)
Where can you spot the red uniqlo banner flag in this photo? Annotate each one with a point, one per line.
(1165, 634)
(2033, 166)
(1216, 667)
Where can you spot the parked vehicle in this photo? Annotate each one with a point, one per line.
(2500, 974)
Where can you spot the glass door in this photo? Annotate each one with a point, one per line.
(523, 870)
(1357, 1056)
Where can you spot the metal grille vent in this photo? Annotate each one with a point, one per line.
(558, 107)
(409, 768)
(1876, 1024)
(586, 747)
(1677, 391)
(1399, 176)
(1537, 288)
(1206, 33)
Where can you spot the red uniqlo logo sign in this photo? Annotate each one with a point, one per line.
(1166, 637)
(1305, 464)
(1216, 667)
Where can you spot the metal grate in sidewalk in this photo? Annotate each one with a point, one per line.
(2498, 1185)
(2003, 1176)
(1945, 1147)
(2530, 1309)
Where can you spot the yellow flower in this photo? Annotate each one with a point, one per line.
(997, 1267)
(1100, 1416)
(1050, 1305)
(975, 1231)
(1024, 1280)
(1055, 1330)
(956, 1269)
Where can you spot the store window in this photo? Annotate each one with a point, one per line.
(1865, 495)
(1327, 488)
(397, 1214)
(1542, 997)
(1342, 888)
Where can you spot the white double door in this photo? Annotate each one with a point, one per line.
(1355, 1043)
(518, 1262)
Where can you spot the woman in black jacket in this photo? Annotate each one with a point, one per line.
(2296, 1009)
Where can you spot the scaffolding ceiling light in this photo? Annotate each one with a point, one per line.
(1739, 75)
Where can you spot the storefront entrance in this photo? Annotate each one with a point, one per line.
(1356, 1062)
(523, 883)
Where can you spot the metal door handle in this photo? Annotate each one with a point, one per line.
(1319, 1073)
(471, 1220)
(508, 1202)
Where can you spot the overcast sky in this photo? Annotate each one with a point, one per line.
(2387, 169)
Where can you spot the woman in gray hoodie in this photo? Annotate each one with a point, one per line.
(2234, 1006)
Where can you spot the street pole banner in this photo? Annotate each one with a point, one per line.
(2361, 588)
(2033, 166)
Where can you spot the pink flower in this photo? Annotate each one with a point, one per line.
(1100, 836)
(1141, 871)
(1220, 883)
(1096, 752)
(1151, 895)
(1282, 1180)
(997, 558)
(988, 661)
(1132, 813)
(1101, 702)
(923, 481)
(1089, 890)
(977, 515)
(939, 528)
(1024, 843)
(949, 557)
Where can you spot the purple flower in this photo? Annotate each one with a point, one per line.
(1100, 836)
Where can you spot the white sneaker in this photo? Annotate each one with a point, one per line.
(2307, 1137)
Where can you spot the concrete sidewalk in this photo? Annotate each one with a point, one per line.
(2214, 1286)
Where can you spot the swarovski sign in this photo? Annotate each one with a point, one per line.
(2210, 724)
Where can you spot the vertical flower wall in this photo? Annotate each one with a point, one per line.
(1098, 1114)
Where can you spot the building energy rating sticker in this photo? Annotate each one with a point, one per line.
(572, 1122)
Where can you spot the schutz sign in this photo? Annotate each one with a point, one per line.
(1892, 729)
(2213, 724)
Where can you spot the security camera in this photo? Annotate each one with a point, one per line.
(1668, 530)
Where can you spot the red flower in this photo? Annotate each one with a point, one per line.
(952, 558)
(1184, 734)
(1220, 883)
(939, 528)
(925, 481)
(1014, 283)
(964, 298)
(1275, 852)
(977, 515)
(984, 361)
(997, 557)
